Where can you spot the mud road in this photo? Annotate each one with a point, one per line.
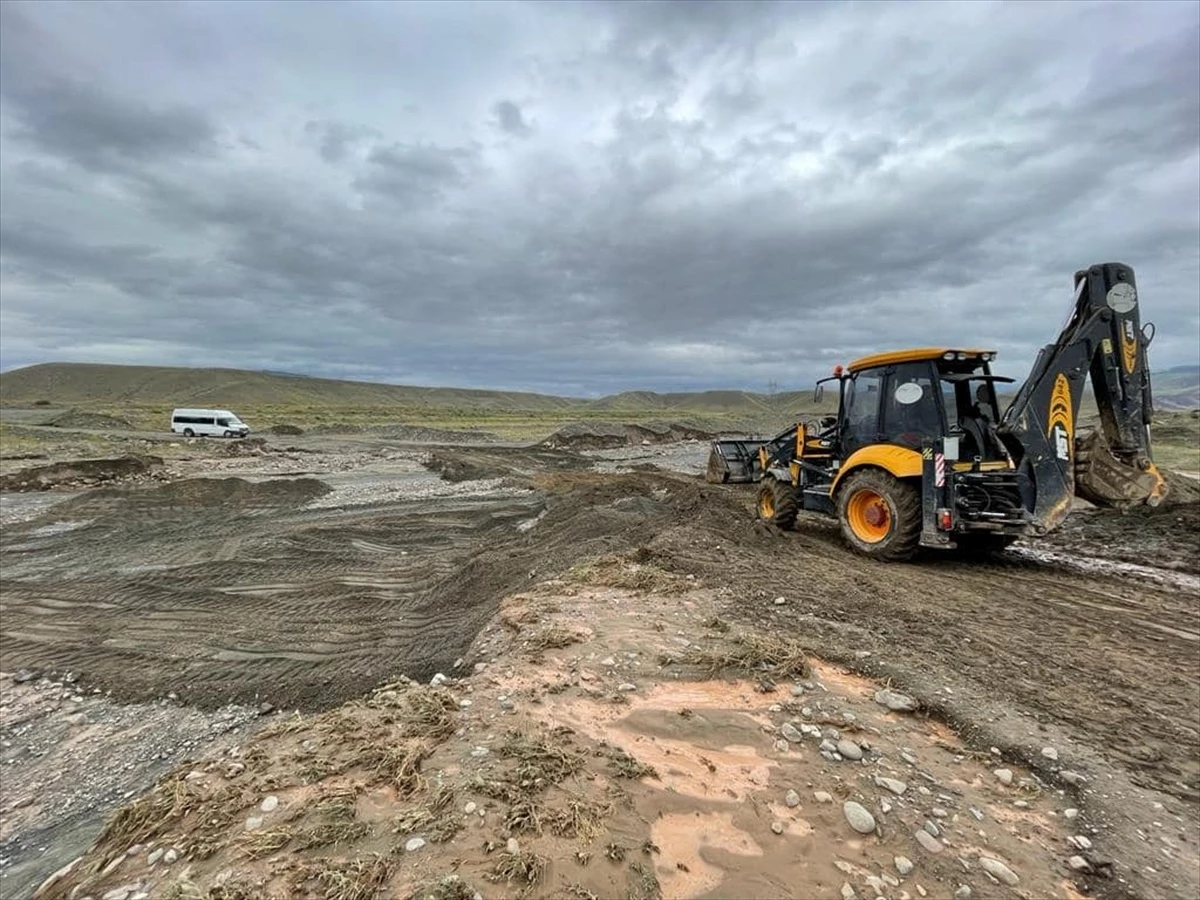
(280, 590)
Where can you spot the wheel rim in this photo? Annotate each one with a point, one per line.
(766, 504)
(869, 516)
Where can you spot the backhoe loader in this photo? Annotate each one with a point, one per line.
(919, 455)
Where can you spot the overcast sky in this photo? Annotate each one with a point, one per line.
(583, 198)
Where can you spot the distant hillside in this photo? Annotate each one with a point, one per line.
(77, 384)
(1177, 388)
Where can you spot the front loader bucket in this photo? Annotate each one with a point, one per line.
(1105, 480)
(732, 461)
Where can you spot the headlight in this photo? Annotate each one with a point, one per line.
(960, 356)
(948, 355)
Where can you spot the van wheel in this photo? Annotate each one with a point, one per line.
(229, 434)
(187, 432)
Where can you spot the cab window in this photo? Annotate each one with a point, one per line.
(911, 413)
(862, 410)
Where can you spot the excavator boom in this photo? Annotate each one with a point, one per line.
(1112, 465)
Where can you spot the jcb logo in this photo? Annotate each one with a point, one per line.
(1128, 345)
(1061, 426)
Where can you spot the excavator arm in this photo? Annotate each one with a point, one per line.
(1111, 465)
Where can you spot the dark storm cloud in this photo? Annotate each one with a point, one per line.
(709, 194)
(510, 119)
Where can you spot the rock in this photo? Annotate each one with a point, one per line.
(438, 680)
(512, 846)
(265, 709)
(894, 785)
(120, 893)
(823, 796)
(932, 828)
(797, 690)
(792, 799)
(809, 730)
(847, 892)
(24, 675)
(999, 871)
(1050, 753)
(1071, 814)
(903, 865)
(1072, 778)
(170, 856)
(1079, 864)
(1005, 776)
(828, 746)
(412, 845)
(464, 704)
(779, 601)
(859, 818)
(789, 731)
(777, 827)
(782, 746)
(269, 804)
(849, 749)
(939, 813)
(470, 808)
(608, 661)
(480, 752)
(155, 856)
(1021, 804)
(253, 823)
(963, 892)
(895, 701)
(928, 841)
(1081, 843)
(977, 814)
(626, 686)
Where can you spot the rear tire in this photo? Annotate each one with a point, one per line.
(777, 503)
(880, 515)
(187, 432)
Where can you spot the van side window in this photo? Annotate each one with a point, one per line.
(223, 422)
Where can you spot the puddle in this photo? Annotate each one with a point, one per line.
(1096, 566)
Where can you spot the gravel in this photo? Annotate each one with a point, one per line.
(999, 871)
(895, 701)
(859, 817)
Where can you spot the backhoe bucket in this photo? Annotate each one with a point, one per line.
(732, 461)
(1105, 480)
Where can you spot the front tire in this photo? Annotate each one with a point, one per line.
(777, 503)
(188, 433)
(880, 515)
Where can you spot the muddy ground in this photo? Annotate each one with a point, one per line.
(307, 578)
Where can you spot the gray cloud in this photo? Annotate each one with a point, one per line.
(715, 195)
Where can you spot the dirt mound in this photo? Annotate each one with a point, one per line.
(200, 493)
(1181, 491)
(75, 418)
(245, 447)
(285, 429)
(610, 435)
(83, 472)
(472, 464)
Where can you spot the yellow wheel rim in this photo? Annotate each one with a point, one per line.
(869, 516)
(766, 504)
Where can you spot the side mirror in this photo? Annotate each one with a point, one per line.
(819, 394)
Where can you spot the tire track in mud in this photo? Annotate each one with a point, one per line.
(301, 607)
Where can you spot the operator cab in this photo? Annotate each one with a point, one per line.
(910, 397)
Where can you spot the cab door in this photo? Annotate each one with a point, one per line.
(912, 411)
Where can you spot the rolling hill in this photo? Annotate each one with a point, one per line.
(86, 384)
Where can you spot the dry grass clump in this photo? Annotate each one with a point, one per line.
(358, 879)
(554, 637)
(577, 819)
(619, 571)
(520, 866)
(753, 653)
(449, 888)
(625, 766)
(539, 763)
(398, 764)
(433, 819)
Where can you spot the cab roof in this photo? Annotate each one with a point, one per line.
(917, 354)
